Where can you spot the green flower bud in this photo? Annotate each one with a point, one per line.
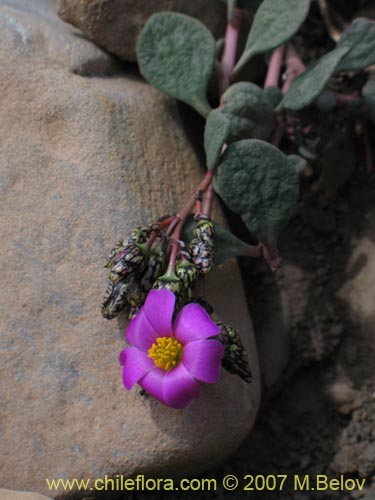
(235, 358)
(139, 288)
(115, 299)
(188, 274)
(169, 282)
(204, 230)
(138, 236)
(132, 261)
(202, 255)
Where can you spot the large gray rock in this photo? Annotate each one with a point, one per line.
(83, 161)
(116, 24)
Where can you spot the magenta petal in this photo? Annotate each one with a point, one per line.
(136, 364)
(179, 387)
(140, 332)
(159, 308)
(194, 323)
(153, 383)
(202, 359)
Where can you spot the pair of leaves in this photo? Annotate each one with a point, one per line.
(227, 245)
(275, 23)
(360, 40)
(246, 112)
(355, 51)
(176, 54)
(260, 183)
(310, 84)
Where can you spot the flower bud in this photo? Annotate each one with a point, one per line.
(235, 358)
(115, 299)
(204, 230)
(140, 287)
(138, 236)
(131, 260)
(188, 274)
(202, 255)
(169, 282)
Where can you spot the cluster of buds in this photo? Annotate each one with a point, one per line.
(202, 245)
(181, 282)
(150, 259)
(134, 267)
(138, 264)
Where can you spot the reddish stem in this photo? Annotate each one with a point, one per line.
(151, 239)
(165, 222)
(294, 67)
(198, 207)
(272, 258)
(208, 201)
(274, 67)
(180, 218)
(343, 100)
(230, 48)
(175, 247)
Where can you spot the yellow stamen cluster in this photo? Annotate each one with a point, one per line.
(166, 353)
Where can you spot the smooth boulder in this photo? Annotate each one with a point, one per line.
(84, 159)
(115, 25)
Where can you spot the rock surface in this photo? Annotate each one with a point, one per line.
(116, 24)
(84, 160)
(20, 495)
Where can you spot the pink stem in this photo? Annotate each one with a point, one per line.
(230, 48)
(208, 201)
(272, 258)
(343, 100)
(175, 247)
(294, 67)
(274, 67)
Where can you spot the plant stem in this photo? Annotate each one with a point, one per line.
(274, 67)
(175, 247)
(230, 48)
(344, 99)
(208, 201)
(179, 219)
(294, 67)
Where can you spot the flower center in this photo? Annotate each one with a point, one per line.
(166, 353)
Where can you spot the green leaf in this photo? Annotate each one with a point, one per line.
(338, 159)
(309, 84)
(297, 162)
(368, 93)
(227, 245)
(257, 181)
(215, 135)
(275, 23)
(176, 54)
(360, 40)
(249, 110)
(273, 95)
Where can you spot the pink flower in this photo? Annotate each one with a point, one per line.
(168, 360)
